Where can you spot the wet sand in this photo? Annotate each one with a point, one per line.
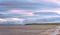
(27, 29)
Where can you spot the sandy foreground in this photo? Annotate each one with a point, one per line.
(29, 30)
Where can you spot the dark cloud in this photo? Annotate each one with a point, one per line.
(46, 13)
(44, 20)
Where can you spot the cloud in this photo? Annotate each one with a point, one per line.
(26, 4)
(44, 19)
(41, 17)
(52, 19)
(53, 1)
(11, 19)
(15, 19)
(17, 5)
(46, 13)
(16, 13)
(46, 1)
(38, 1)
(50, 0)
(2, 20)
(56, 10)
(23, 12)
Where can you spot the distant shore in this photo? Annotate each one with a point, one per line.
(43, 24)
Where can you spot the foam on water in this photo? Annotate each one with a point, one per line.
(57, 31)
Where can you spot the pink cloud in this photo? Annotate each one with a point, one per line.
(36, 1)
(24, 12)
(52, 1)
(48, 1)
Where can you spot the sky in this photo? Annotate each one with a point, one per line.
(29, 11)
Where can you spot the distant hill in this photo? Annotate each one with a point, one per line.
(43, 24)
